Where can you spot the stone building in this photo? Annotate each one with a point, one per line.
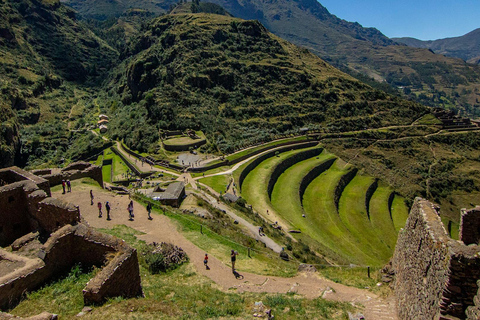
(46, 238)
(172, 196)
(437, 277)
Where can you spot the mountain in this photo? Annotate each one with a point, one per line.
(424, 76)
(47, 61)
(466, 47)
(105, 9)
(238, 83)
(365, 53)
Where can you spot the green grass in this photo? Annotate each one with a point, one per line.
(399, 212)
(353, 213)
(218, 183)
(247, 151)
(318, 202)
(254, 187)
(178, 294)
(62, 297)
(184, 140)
(380, 216)
(119, 168)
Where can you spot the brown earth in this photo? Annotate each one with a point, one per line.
(161, 229)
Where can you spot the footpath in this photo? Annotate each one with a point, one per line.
(161, 229)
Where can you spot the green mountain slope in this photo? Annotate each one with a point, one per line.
(426, 77)
(466, 47)
(45, 54)
(238, 83)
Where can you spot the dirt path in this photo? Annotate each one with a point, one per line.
(162, 229)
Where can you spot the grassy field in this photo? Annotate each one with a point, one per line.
(184, 140)
(353, 213)
(399, 212)
(178, 294)
(318, 202)
(380, 217)
(218, 183)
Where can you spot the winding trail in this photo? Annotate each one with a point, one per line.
(162, 229)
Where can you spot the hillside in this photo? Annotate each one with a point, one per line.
(365, 53)
(423, 76)
(466, 47)
(105, 9)
(238, 83)
(47, 61)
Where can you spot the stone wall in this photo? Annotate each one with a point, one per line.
(342, 183)
(473, 312)
(74, 171)
(71, 245)
(313, 174)
(287, 163)
(470, 226)
(15, 174)
(436, 277)
(369, 194)
(54, 213)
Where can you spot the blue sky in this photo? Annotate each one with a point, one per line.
(421, 19)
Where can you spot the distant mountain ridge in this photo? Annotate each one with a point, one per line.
(466, 47)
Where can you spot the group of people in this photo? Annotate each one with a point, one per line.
(233, 259)
(66, 184)
(129, 208)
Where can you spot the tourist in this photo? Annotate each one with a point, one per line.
(130, 211)
(149, 211)
(260, 231)
(107, 207)
(233, 258)
(63, 186)
(69, 186)
(205, 262)
(99, 205)
(91, 197)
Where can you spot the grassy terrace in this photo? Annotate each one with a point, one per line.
(379, 217)
(318, 202)
(247, 151)
(254, 188)
(399, 212)
(217, 183)
(353, 213)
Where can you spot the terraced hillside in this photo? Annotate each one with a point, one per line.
(347, 216)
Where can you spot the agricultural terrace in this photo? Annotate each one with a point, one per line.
(347, 216)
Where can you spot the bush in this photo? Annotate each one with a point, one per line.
(156, 263)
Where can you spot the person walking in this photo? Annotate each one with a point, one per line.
(99, 205)
(91, 197)
(149, 211)
(205, 262)
(69, 186)
(233, 258)
(107, 207)
(63, 186)
(130, 211)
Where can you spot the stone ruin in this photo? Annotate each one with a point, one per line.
(73, 171)
(437, 277)
(47, 238)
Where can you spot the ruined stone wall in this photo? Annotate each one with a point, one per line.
(15, 174)
(76, 171)
(473, 312)
(436, 276)
(421, 262)
(14, 221)
(470, 226)
(53, 213)
(462, 285)
(14, 285)
(67, 246)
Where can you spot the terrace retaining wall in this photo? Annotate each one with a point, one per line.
(287, 163)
